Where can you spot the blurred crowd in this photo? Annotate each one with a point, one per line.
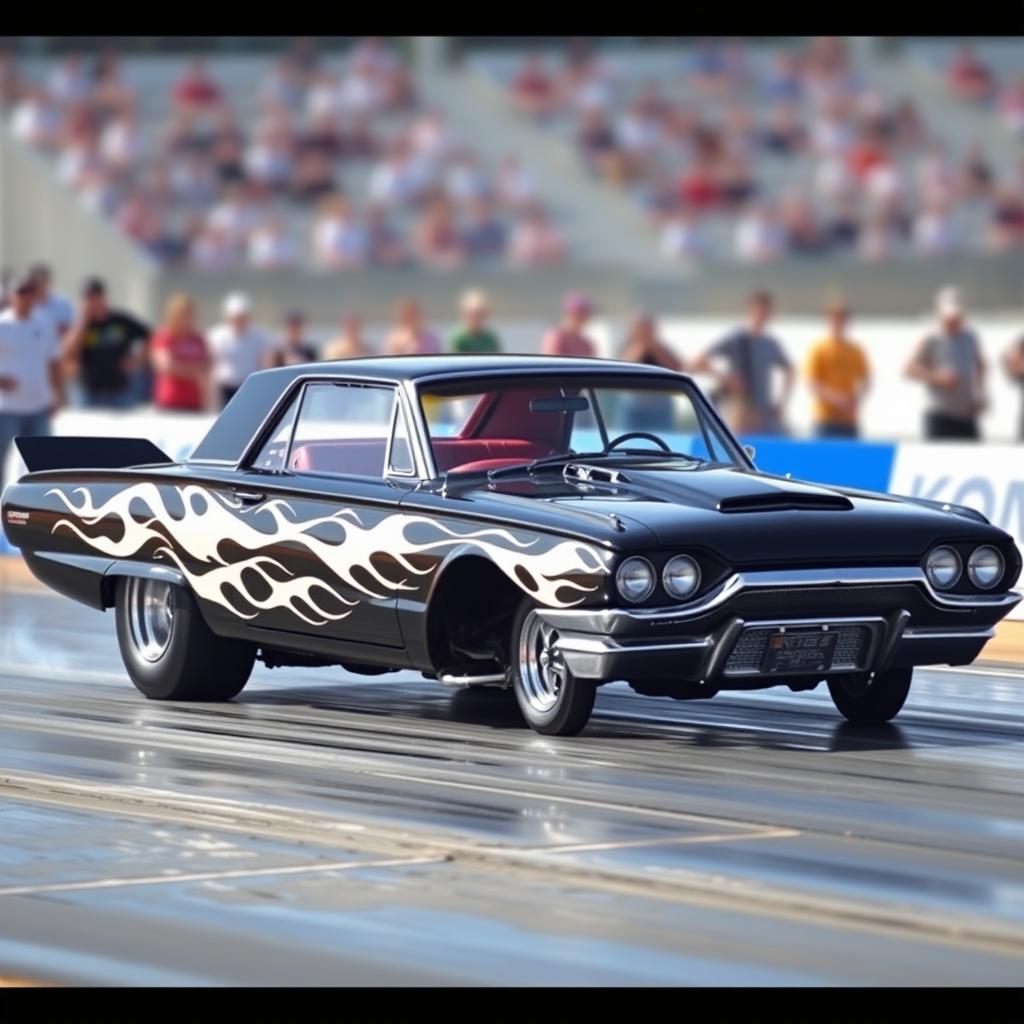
(94, 354)
(802, 157)
(221, 185)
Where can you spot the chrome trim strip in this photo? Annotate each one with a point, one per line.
(949, 634)
(783, 624)
(605, 645)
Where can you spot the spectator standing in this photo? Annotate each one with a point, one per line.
(238, 348)
(56, 307)
(473, 334)
(649, 410)
(108, 348)
(643, 345)
(409, 336)
(180, 359)
(745, 386)
(31, 387)
(569, 337)
(1013, 360)
(294, 347)
(948, 361)
(838, 375)
(350, 344)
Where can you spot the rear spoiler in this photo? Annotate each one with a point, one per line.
(42, 453)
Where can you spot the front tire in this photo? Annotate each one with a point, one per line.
(876, 703)
(169, 651)
(553, 701)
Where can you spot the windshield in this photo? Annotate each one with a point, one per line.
(476, 428)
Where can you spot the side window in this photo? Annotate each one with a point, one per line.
(401, 451)
(272, 455)
(343, 430)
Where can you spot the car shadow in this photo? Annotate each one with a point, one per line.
(490, 707)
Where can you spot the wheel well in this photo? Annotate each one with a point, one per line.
(470, 616)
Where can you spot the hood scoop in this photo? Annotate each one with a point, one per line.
(785, 501)
(577, 473)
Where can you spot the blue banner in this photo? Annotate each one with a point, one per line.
(863, 464)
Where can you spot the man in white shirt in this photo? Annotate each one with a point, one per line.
(237, 347)
(31, 386)
(56, 307)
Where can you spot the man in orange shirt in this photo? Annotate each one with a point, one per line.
(838, 375)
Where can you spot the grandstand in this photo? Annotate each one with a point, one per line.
(341, 169)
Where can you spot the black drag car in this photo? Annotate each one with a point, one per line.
(537, 523)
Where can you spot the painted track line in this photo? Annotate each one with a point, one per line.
(216, 876)
(683, 885)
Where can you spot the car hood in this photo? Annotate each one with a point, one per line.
(751, 518)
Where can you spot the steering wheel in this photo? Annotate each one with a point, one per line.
(638, 434)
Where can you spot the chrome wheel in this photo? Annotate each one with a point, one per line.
(150, 617)
(542, 669)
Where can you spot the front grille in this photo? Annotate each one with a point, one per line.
(851, 651)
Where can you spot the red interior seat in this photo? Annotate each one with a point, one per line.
(356, 456)
(365, 457)
(457, 453)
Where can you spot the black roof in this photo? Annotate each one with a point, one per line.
(245, 414)
(423, 367)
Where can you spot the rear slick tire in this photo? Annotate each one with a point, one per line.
(168, 650)
(553, 701)
(876, 704)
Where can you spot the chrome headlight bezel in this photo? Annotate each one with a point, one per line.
(944, 551)
(635, 562)
(984, 550)
(666, 575)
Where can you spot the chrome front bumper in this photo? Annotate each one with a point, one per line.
(694, 642)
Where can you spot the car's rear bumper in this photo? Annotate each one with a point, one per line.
(886, 618)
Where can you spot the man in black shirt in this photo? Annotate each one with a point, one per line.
(109, 347)
(294, 347)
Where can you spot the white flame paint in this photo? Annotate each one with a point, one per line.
(209, 519)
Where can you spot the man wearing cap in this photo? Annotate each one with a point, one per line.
(473, 334)
(948, 361)
(294, 347)
(56, 307)
(107, 347)
(568, 338)
(237, 346)
(31, 386)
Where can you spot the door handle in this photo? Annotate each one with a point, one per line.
(249, 497)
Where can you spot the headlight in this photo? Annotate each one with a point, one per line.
(943, 568)
(635, 579)
(680, 576)
(985, 567)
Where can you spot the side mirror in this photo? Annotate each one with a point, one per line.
(750, 450)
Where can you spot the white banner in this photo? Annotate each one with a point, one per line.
(988, 477)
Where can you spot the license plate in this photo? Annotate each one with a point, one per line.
(800, 651)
